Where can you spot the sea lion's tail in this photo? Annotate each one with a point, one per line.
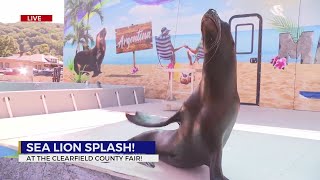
(145, 120)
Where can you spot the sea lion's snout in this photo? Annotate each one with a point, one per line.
(211, 16)
(103, 32)
(211, 30)
(210, 21)
(211, 13)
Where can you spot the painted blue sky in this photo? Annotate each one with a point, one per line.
(121, 13)
(124, 13)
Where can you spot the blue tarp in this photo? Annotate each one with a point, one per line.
(310, 94)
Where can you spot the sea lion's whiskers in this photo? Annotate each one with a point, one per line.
(216, 43)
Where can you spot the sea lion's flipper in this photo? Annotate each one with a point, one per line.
(148, 164)
(145, 120)
(164, 143)
(214, 164)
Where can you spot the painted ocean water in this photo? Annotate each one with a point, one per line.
(270, 46)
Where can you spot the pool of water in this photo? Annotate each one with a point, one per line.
(4, 151)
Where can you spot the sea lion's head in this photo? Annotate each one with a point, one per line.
(103, 33)
(101, 39)
(217, 37)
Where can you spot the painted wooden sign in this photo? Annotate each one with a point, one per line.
(134, 38)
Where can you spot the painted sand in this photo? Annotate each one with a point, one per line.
(277, 86)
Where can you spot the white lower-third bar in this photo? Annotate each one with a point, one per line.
(88, 158)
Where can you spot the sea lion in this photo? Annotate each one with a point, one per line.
(207, 117)
(91, 60)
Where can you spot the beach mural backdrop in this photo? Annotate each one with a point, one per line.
(290, 50)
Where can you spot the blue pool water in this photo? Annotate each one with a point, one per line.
(4, 151)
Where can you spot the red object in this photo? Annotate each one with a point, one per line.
(10, 71)
(170, 66)
(36, 18)
(185, 78)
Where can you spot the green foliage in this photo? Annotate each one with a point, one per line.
(78, 78)
(284, 25)
(42, 49)
(72, 8)
(90, 8)
(80, 34)
(35, 37)
(8, 46)
(53, 52)
(71, 65)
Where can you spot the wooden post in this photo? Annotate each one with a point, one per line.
(134, 56)
(171, 89)
(31, 74)
(59, 73)
(134, 59)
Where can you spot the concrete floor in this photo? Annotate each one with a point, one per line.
(11, 169)
(265, 144)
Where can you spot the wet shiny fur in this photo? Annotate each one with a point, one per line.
(207, 117)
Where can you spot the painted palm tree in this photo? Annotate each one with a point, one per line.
(285, 25)
(90, 7)
(79, 35)
(72, 9)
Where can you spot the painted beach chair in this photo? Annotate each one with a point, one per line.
(199, 55)
(165, 52)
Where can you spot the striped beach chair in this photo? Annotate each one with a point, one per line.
(199, 55)
(164, 48)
